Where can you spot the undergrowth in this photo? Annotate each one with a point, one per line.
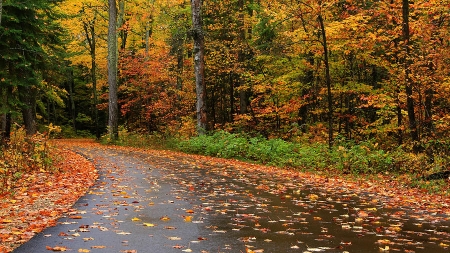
(24, 155)
(346, 157)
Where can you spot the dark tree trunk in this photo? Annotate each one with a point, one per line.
(199, 65)
(90, 36)
(28, 98)
(327, 81)
(1, 10)
(7, 117)
(231, 116)
(70, 89)
(429, 93)
(407, 65)
(241, 58)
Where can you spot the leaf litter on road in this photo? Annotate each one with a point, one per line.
(246, 207)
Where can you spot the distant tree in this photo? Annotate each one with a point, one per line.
(199, 64)
(113, 120)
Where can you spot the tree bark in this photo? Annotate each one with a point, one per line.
(243, 105)
(407, 65)
(28, 98)
(70, 84)
(7, 117)
(199, 65)
(113, 119)
(89, 29)
(120, 22)
(328, 81)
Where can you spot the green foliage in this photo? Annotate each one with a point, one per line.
(347, 156)
(135, 139)
(69, 132)
(273, 151)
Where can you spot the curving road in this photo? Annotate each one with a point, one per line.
(146, 203)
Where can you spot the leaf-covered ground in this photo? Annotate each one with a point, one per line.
(42, 198)
(257, 203)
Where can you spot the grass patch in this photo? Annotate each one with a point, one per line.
(346, 157)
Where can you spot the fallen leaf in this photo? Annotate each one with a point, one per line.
(56, 248)
(98, 247)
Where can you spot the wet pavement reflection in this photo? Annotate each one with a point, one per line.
(146, 203)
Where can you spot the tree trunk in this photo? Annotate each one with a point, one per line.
(407, 65)
(28, 98)
(90, 36)
(70, 84)
(120, 22)
(6, 124)
(113, 125)
(328, 81)
(199, 65)
(243, 99)
(1, 10)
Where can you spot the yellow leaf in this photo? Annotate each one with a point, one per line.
(98, 247)
(149, 225)
(386, 248)
(443, 245)
(135, 219)
(84, 250)
(188, 219)
(165, 218)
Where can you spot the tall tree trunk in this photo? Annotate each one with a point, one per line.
(113, 119)
(94, 81)
(89, 29)
(199, 65)
(407, 65)
(243, 99)
(328, 81)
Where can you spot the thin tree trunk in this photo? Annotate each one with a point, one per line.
(328, 81)
(199, 65)
(90, 35)
(6, 127)
(70, 83)
(1, 11)
(120, 22)
(113, 125)
(407, 65)
(149, 27)
(243, 104)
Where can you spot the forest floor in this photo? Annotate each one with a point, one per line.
(44, 197)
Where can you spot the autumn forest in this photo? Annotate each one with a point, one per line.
(310, 71)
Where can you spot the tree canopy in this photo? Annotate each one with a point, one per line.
(305, 70)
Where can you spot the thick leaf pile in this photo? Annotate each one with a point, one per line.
(42, 198)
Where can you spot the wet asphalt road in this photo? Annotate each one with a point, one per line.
(143, 203)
